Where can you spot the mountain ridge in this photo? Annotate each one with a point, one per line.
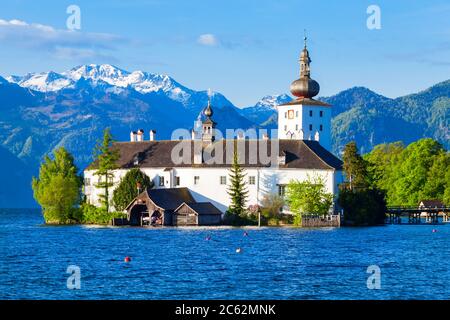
(33, 122)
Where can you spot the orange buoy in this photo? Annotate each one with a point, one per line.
(127, 259)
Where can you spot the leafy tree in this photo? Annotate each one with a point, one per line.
(354, 167)
(238, 188)
(381, 163)
(437, 178)
(271, 205)
(106, 157)
(363, 206)
(308, 197)
(363, 202)
(126, 191)
(57, 189)
(412, 172)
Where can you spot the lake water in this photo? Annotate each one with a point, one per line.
(176, 263)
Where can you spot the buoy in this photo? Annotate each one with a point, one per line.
(238, 250)
(127, 259)
(434, 230)
(208, 238)
(245, 234)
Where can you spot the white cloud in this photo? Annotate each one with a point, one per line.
(208, 39)
(56, 41)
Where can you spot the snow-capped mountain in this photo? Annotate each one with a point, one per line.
(99, 75)
(264, 108)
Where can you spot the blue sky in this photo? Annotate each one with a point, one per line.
(243, 49)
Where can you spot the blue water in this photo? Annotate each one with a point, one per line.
(170, 263)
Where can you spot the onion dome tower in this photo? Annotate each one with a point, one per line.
(305, 87)
(208, 125)
(305, 118)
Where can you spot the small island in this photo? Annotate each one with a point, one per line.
(203, 177)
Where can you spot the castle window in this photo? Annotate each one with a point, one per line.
(310, 113)
(285, 127)
(223, 180)
(161, 181)
(251, 180)
(196, 179)
(310, 127)
(177, 181)
(285, 115)
(296, 127)
(321, 127)
(296, 114)
(321, 113)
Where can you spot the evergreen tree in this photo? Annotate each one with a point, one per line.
(58, 187)
(106, 157)
(354, 167)
(238, 189)
(127, 189)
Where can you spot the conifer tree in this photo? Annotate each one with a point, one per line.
(238, 188)
(127, 189)
(106, 158)
(354, 167)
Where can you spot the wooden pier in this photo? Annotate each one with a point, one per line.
(418, 215)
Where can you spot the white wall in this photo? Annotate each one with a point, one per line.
(209, 188)
(301, 121)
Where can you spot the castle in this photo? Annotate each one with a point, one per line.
(200, 165)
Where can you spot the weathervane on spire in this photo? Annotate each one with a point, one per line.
(304, 36)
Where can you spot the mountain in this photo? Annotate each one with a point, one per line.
(42, 111)
(361, 115)
(264, 108)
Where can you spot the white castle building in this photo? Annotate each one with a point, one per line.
(201, 165)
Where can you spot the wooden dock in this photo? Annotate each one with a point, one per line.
(417, 215)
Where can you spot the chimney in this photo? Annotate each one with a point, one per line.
(152, 135)
(140, 135)
(282, 158)
(132, 136)
(317, 136)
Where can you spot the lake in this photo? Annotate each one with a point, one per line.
(179, 263)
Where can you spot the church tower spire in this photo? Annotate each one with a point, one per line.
(208, 125)
(305, 87)
(305, 118)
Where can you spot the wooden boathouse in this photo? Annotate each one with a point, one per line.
(171, 207)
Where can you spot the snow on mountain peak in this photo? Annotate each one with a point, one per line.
(271, 101)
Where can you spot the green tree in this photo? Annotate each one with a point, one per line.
(238, 188)
(127, 190)
(354, 167)
(58, 187)
(308, 197)
(363, 206)
(106, 157)
(381, 163)
(412, 172)
(437, 178)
